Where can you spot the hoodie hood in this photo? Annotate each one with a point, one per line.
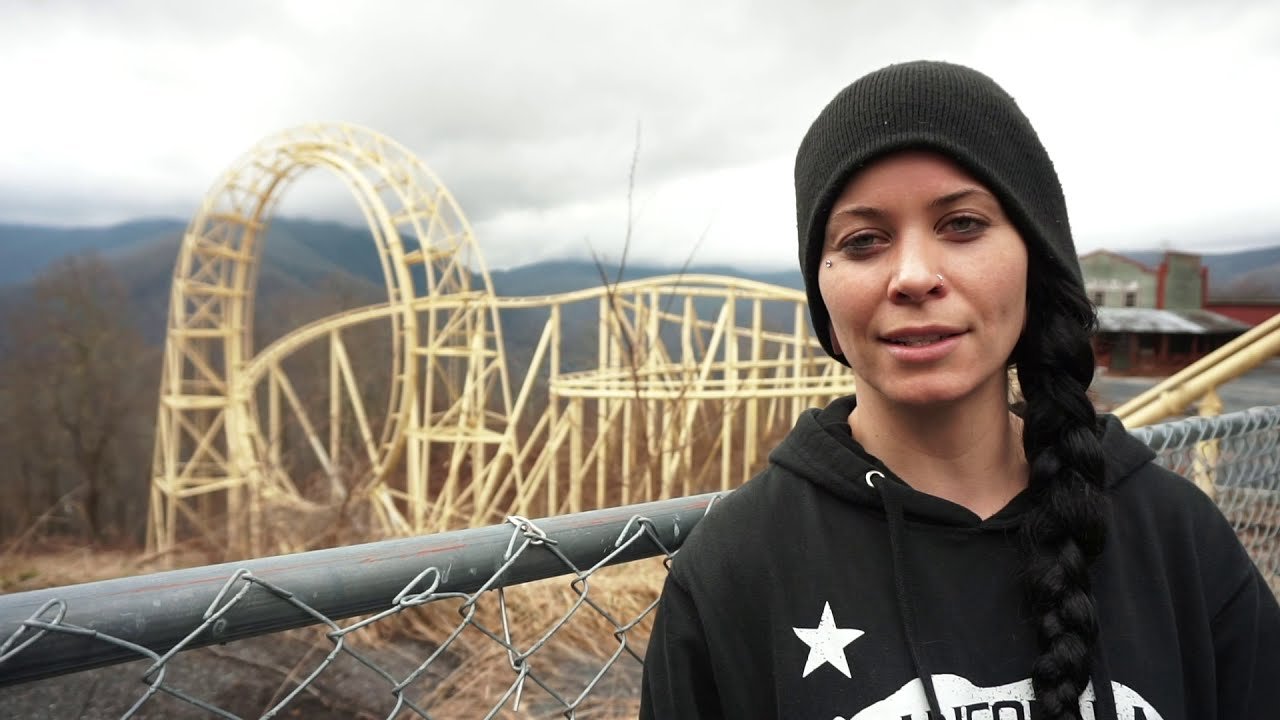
(821, 435)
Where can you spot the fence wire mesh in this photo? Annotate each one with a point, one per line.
(443, 626)
(1236, 459)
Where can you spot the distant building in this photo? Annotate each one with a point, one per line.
(1250, 311)
(1153, 320)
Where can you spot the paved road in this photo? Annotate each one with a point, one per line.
(1261, 386)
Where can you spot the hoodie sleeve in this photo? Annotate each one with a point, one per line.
(1246, 638)
(678, 680)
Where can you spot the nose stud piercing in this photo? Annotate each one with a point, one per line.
(941, 282)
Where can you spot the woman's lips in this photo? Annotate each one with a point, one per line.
(922, 348)
(918, 340)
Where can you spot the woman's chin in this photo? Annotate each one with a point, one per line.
(938, 392)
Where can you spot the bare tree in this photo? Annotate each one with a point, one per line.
(78, 379)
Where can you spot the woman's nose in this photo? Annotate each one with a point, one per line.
(916, 273)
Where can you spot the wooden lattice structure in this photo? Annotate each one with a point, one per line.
(634, 391)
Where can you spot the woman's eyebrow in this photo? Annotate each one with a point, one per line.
(958, 195)
(865, 212)
(861, 211)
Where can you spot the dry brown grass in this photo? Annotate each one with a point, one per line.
(477, 670)
(67, 564)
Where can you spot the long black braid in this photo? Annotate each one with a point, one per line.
(1066, 530)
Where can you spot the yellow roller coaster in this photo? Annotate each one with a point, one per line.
(687, 378)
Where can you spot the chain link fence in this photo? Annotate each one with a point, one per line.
(528, 619)
(1235, 458)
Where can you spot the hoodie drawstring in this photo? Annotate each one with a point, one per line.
(1104, 699)
(893, 511)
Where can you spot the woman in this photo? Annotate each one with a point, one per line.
(924, 551)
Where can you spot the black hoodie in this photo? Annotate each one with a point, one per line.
(792, 600)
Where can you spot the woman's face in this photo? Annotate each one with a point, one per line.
(927, 285)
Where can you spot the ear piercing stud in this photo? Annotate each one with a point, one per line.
(829, 265)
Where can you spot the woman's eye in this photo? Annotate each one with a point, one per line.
(861, 244)
(966, 224)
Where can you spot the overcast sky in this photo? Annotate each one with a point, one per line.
(1163, 117)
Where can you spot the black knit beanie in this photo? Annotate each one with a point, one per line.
(947, 108)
